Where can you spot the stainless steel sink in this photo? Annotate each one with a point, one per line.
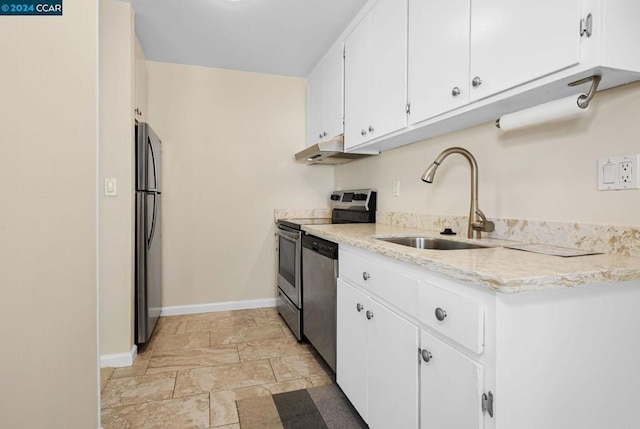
(431, 243)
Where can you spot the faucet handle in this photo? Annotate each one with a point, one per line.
(484, 224)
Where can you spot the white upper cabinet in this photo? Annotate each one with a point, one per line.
(515, 42)
(438, 57)
(376, 74)
(356, 84)
(325, 97)
(459, 63)
(507, 44)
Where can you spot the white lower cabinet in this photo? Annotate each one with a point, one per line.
(420, 349)
(451, 387)
(377, 360)
(351, 345)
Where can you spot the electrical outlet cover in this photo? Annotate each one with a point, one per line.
(619, 173)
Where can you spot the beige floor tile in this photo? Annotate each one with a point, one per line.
(265, 349)
(136, 390)
(144, 351)
(288, 333)
(191, 412)
(175, 360)
(223, 377)
(198, 325)
(287, 386)
(298, 366)
(260, 413)
(268, 316)
(138, 368)
(105, 375)
(179, 341)
(223, 403)
(232, 335)
(322, 379)
(216, 315)
(170, 326)
(233, 426)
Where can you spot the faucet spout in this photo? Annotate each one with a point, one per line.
(477, 221)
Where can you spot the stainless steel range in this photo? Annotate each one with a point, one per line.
(307, 284)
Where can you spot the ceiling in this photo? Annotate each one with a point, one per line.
(284, 37)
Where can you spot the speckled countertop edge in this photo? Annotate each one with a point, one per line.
(496, 268)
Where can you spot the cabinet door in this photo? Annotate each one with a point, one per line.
(333, 91)
(388, 86)
(393, 369)
(451, 387)
(351, 350)
(515, 42)
(438, 57)
(315, 107)
(356, 85)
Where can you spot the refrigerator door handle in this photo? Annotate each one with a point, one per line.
(155, 166)
(153, 222)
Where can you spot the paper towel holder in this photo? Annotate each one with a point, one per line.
(583, 100)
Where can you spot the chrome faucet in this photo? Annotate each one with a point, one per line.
(477, 220)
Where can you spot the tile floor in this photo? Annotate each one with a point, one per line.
(195, 367)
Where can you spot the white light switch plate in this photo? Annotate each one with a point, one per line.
(617, 173)
(110, 189)
(396, 188)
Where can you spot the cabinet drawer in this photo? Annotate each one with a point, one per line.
(380, 281)
(458, 317)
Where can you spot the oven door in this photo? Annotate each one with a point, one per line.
(289, 276)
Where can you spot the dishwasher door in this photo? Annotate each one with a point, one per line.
(320, 272)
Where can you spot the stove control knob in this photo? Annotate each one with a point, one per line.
(335, 197)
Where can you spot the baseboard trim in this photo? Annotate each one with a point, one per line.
(119, 360)
(218, 306)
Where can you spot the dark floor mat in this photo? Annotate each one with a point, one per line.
(323, 407)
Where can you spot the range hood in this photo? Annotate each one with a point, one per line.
(329, 152)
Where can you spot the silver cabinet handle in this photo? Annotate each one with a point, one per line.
(370, 128)
(359, 307)
(365, 276)
(369, 315)
(320, 135)
(426, 355)
(363, 132)
(324, 134)
(476, 82)
(440, 314)
(455, 91)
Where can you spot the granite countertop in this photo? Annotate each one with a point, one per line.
(497, 268)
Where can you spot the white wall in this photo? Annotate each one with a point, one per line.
(116, 228)
(228, 143)
(545, 173)
(48, 305)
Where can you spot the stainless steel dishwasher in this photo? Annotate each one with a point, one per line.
(319, 274)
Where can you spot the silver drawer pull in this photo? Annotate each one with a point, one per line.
(426, 355)
(365, 276)
(359, 307)
(369, 315)
(440, 314)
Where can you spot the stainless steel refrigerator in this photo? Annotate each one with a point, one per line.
(148, 262)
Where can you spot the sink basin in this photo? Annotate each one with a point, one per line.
(431, 243)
